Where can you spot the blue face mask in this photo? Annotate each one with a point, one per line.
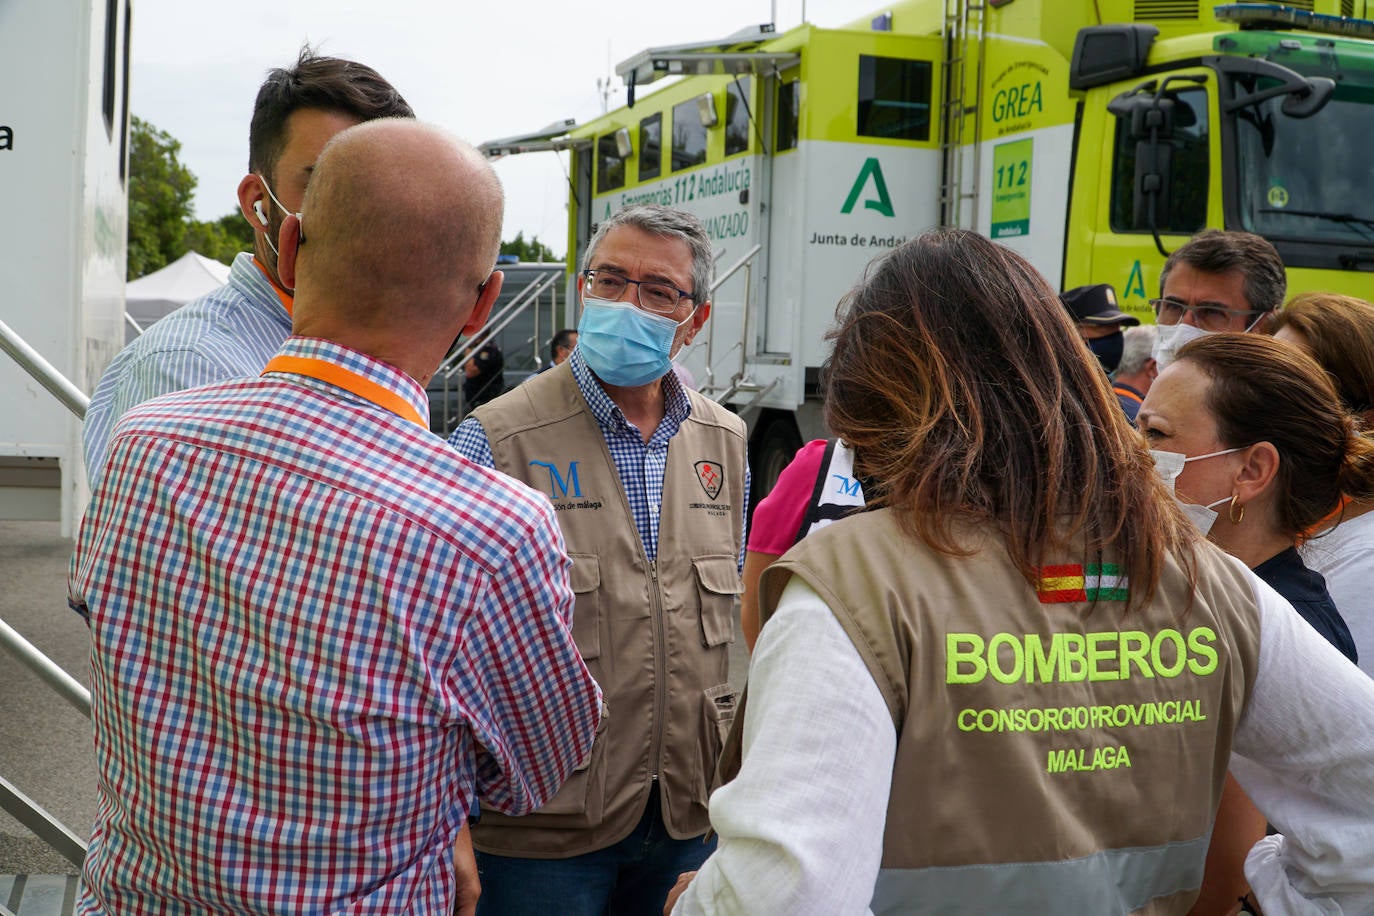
(625, 345)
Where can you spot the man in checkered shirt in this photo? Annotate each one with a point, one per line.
(319, 633)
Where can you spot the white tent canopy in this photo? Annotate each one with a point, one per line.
(155, 295)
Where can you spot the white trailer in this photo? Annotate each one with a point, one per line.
(64, 138)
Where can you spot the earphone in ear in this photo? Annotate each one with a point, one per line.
(257, 208)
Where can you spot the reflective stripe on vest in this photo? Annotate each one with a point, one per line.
(1115, 881)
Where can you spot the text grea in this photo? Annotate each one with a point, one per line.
(1113, 655)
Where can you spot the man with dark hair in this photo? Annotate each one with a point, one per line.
(649, 481)
(234, 330)
(317, 632)
(561, 346)
(1218, 281)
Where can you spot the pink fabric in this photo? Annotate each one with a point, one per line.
(779, 514)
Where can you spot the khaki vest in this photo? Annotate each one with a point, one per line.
(654, 635)
(1054, 754)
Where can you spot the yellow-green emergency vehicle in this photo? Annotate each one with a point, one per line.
(1092, 136)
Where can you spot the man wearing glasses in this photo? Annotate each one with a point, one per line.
(649, 481)
(1218, 281)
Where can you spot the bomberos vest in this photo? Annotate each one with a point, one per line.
(655, 635)
(1056, 753)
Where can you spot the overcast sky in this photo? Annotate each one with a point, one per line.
(483, 70)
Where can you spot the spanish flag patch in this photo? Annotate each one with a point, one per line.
(1072, 582)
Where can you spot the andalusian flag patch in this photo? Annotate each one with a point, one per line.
(1072, 582)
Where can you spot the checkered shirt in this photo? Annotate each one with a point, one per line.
(639, 464)
(229, 333)
(317, 632)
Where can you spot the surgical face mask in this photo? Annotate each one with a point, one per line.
(1108, 350)
(1170, 338)
(625, 345)
(1168, 465)
(1204, 517)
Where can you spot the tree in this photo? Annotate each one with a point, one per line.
(161, 227)
(531, 251)
(160, 190)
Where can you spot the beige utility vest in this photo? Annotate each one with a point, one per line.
(1054, 754)
(655, 635)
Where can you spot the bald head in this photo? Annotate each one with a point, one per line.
(401, 223)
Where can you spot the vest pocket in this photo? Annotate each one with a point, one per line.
(581, 799)
(718, 707)
(586, 586)
(718, 584)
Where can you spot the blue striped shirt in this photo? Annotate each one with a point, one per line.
(229, 333)
(639, 464)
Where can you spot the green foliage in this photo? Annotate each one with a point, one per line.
(161, 228)
(533, 251)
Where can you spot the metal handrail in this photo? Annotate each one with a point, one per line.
(526, 298)
(14, 802)
(709, 385)
(68, 687)
(129, 320)
(43, 371)
(496, 323)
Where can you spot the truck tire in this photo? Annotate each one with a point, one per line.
(774, 448)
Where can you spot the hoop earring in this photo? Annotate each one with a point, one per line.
(1236, 517)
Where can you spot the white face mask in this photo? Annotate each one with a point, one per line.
(1204, 517)
(1170, 338)
(1168, 465)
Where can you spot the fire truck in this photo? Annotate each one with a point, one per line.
(1091, 136)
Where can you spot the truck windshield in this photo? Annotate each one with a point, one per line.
(1309, 179)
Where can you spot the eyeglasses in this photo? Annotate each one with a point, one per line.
(1210, 316)
(654, 296)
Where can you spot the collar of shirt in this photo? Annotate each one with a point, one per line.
(676, 406)
(251, 282)
(287, 300)
(373, 370)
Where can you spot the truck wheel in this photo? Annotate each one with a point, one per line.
(777, 445)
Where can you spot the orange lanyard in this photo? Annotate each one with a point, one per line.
(348, 380)
(1331, 518)
(287, 300)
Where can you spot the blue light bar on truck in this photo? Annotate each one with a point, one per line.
(1265, 15)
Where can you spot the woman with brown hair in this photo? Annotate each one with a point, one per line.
(1338, 332)
(1259, 449)
(1015, 684)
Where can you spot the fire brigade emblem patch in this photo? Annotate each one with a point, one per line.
(711, 476)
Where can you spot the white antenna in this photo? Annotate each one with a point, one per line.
(604, 86)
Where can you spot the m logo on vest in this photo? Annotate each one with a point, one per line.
(711, 476)
(558, 485)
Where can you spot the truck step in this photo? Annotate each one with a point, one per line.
(37, 895)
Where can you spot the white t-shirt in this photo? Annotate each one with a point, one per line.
(818, 740)
(1345, 558)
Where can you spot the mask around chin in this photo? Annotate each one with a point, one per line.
(1204, 517)
(1170, 338)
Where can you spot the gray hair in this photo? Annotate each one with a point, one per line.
(670, 223)
(1138, 342)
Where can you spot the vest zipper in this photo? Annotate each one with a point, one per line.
(660, 663)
